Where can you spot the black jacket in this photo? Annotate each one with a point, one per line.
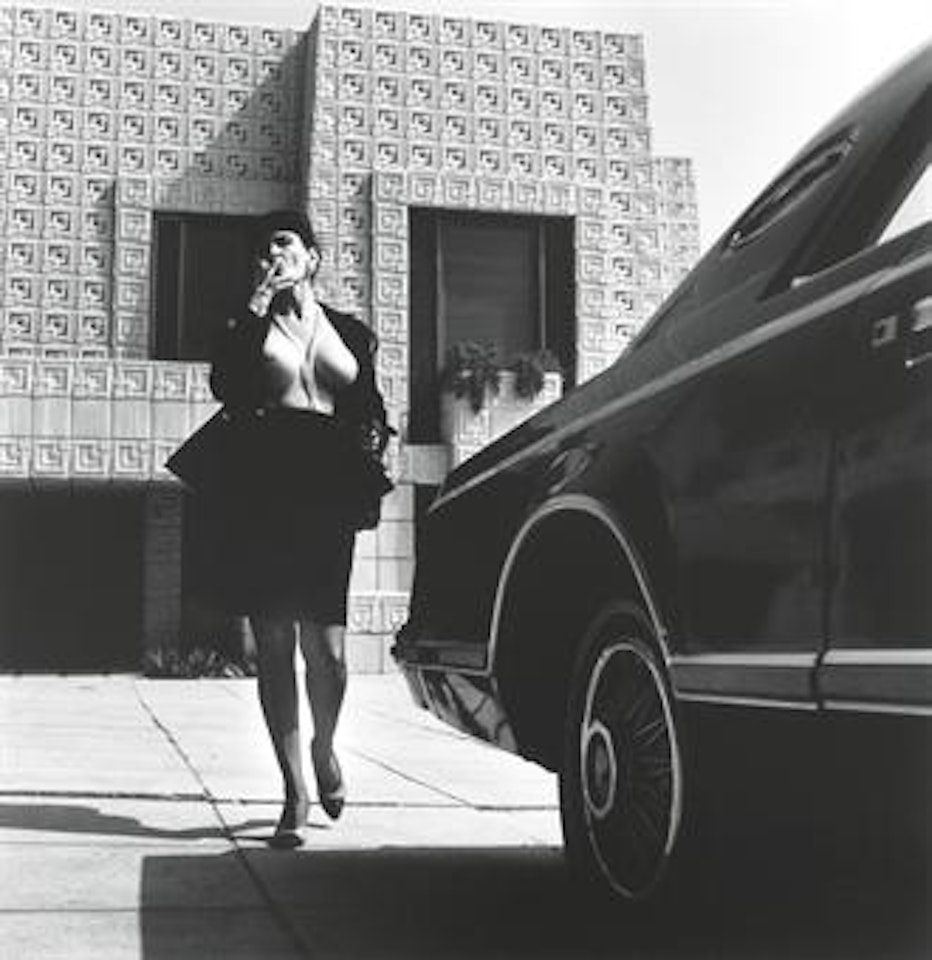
(236, 381)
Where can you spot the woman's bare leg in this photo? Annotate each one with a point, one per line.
(275, 648)
(323, 646)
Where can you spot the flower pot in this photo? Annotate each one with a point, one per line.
(466, 431)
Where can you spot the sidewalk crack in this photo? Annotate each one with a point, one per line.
(278, 913)
(462, 801)
(176, 746)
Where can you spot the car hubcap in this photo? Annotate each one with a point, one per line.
(629, 769)
(600, 771)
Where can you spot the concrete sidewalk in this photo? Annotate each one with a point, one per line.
(134, 815)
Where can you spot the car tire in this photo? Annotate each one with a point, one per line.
(621, 777)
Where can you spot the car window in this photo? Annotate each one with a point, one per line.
(885, 200)
(914, 210)
(791, 187)
(870, 183)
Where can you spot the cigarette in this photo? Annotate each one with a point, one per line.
(270, 273)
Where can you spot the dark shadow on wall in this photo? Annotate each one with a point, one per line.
(224, 142)
(70, 564)
(245, 147)
(218, 129)
(231, 147)
(247, 158)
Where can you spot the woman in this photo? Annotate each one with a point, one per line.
(297, 473)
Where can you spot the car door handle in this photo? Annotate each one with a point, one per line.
(919, 346)
(921, 313)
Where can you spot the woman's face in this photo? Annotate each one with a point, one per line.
(288, 258)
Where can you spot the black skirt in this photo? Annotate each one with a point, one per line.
(278, 502)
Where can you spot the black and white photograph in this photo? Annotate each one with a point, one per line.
(465, 480)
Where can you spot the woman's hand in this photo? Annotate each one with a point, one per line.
(285, 264)
(274, 279)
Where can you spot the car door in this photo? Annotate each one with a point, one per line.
(830, 517)
(880, 600)
(747, 462)
(746, 454)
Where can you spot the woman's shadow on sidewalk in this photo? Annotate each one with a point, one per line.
(79, 818)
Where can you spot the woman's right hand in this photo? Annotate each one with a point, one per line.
(270, 283)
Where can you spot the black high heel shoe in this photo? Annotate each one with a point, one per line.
(289, 833)
(330, 787)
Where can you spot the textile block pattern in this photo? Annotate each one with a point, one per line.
(425, 110)
(107, 119)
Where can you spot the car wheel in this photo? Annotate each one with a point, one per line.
(621, 777)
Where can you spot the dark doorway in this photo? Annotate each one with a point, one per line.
(71, 568)
(205, 623)
(498, 279)
(202, 276)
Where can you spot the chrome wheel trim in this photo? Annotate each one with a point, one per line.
(599, 770)
(632, 798)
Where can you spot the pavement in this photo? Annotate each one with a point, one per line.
(134, 815)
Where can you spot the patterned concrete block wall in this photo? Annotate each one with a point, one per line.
(678, 219)
(106, 119)
(413, 109)
(445, 112)
(106, 420)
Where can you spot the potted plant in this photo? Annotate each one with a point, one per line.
(481, 398)
(530, 369)
(471, 371)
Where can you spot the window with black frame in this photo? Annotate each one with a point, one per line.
(202, 275)
(506, 282)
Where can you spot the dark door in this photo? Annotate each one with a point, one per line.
(71, 573)
(748, 455)
(881, 601)
(802, 506)
(812, 473)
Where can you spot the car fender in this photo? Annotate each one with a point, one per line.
(609, 519)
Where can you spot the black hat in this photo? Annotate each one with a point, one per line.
(295, 221)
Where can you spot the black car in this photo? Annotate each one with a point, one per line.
(736, 515)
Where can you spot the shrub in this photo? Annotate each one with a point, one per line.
(193, 663)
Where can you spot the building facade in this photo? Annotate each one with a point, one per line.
(449, 166)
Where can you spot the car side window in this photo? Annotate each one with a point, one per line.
(915, 210)
(791, 188)
(890, 199)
